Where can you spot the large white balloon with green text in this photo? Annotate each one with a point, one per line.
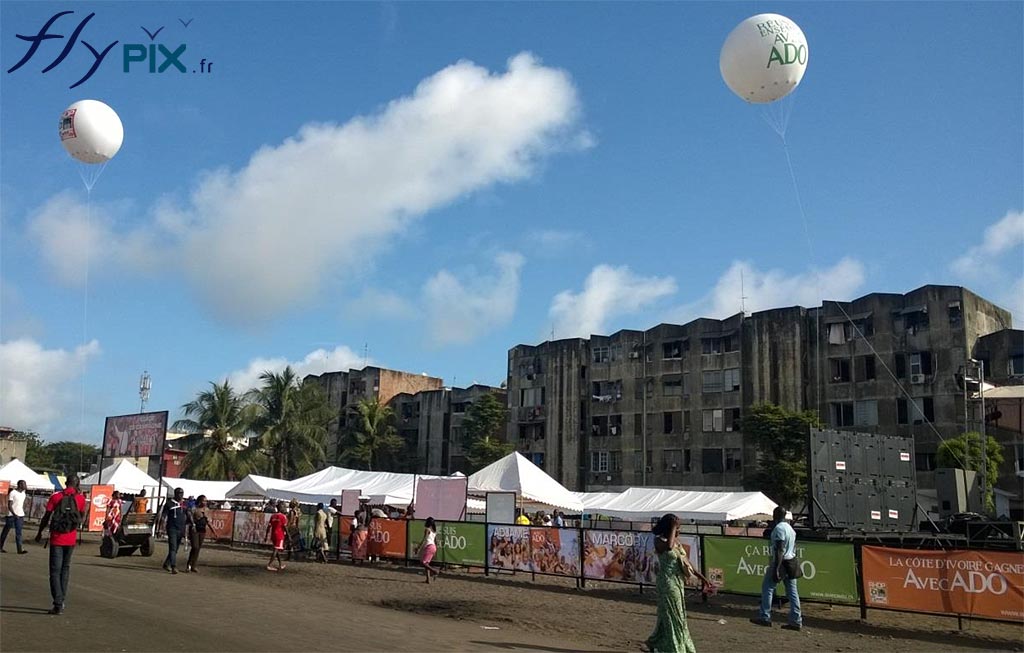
(764, 58)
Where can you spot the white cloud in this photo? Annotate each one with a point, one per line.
(607, 292)
(383, 304)
(556, 241)
(37, 385)
(460, 311)
(318, 361)
(981, 261)
(773, 289)
(319, 206)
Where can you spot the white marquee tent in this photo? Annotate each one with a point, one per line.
(254, 488)
(15, 471)
(642, 504)
(125, 477)
(514, 473)
(382, 488)
(214, 490)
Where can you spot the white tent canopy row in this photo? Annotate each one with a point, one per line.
(212, 490)
(125, 477)
(381, 488)
(15, 471)
(254, 488)
(642, 504)
(514, 473)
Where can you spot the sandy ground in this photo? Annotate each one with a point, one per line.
(130, 604)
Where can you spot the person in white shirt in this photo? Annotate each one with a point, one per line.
(15, 516)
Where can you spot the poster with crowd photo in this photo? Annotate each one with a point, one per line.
(251, 528)
(555, 551)
(509, 547)
(620, 556)
(136, 435)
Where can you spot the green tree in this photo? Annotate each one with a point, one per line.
(36, 454)
(372, 440)
(781, 439)
(72, 457)
(483, 425)
(291, 421)
(221, 414)
(966, 448)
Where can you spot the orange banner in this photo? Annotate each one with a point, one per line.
(344, 532)
(99, 497)
(223, 523)
(979, 583)
(5, 487)
(387, 538)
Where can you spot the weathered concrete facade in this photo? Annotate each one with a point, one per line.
(883, 363)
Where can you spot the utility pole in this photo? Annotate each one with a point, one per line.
(984, 438)
(145, 384)
(643, 422)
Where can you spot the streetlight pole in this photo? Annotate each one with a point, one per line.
(643, 455)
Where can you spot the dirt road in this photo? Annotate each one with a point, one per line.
(130, 604)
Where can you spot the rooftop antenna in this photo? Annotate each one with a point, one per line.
(743, 296)
(145, 385)
(366, 353)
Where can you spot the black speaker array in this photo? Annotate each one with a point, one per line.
(862, 481)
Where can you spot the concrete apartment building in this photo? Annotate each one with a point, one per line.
(583, 409)
(428, 415)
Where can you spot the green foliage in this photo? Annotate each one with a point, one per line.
(223, 414)
(483, 425)
(781, 438)
(72, 457)
(372, 441)
(36, 454)
(966, 448)
(291, 420)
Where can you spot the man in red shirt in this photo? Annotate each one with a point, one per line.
(64, 513)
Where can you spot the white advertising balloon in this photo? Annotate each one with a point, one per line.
(91, 132)
(764, 58)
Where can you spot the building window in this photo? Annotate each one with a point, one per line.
(686, 461)
(672, 350)
(865, 413)
(922, 410)
(672, 387)
(921, 363)
(925, 462)
(537, 458)
(616, 353)
(638, 424)
(669, 423)
(672, 460)
(956, 315)
(599, 426)
(912, 320)
(599, 461)
(456, 435)
(601, 354)
(733, 460)
(732, 419)
(686, 421)
(531, 396)
(865, 368)
(1016, 365)
(839, 370)
(731, 379)
(711, 461)
(712, 381)
(615, 461)
(686, 385)
(842, 414)
(615, 425)
(901, 412)
(713, 420)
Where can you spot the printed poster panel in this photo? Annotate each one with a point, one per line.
(251, 528)
(350, 502)
(461, 543)
(135, 435)
(738, 564)
(387, 538)
(691, 544)
(223, 523)
(344, 532)
(441, 498)
(99, 498)
(35, 506)
(966, 582)
(501, 508)
(509, 547)
(555, 551)
(619, 555)
(5, 487)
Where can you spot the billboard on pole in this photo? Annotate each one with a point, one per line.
(136, 435)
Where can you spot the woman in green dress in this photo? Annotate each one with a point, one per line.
(671, 634)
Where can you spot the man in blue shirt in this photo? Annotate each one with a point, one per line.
(783, 567)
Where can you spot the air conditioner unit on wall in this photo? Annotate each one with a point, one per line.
(917, 379)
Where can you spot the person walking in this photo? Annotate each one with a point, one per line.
(333, 511)
(277, 525)
(428, 548)
(671, 631)
(64, 513)
(174, 519)
(320, 543)
(198, 524)
(783, 568)
(15, 516)
(294, 528)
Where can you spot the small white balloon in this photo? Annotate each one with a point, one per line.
(91, 132)
(764, 58)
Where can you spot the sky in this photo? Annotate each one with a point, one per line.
(423, 186)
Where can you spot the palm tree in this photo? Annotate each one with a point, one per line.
(373, 437)
(222, 415)
(291, 421)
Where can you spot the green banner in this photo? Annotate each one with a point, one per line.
(737, 564)
(462, 543)
(415, 535)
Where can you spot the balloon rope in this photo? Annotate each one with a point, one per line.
(860, 334)
(85, 302)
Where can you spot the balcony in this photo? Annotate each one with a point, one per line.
(530, 414)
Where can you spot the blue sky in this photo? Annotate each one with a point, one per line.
(439, 182)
